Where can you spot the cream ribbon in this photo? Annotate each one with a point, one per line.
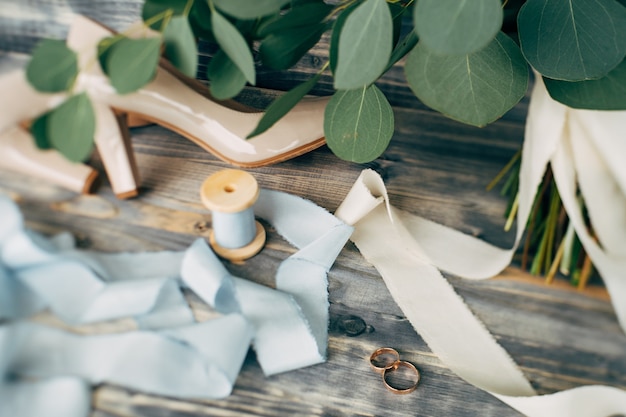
(409, 251)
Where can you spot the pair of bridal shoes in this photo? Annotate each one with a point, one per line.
(170, 100)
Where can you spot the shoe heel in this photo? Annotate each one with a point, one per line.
(115, 148)
(20, 154)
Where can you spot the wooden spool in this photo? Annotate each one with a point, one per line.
(231, 194)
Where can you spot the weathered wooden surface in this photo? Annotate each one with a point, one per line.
(435, 167)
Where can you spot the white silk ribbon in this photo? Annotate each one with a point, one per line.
(410, 251)
(170, 354)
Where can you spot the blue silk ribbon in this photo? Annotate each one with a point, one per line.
(49, 371)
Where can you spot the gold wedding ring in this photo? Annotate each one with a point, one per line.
(401, 389)
(386, 361)
(383, 358)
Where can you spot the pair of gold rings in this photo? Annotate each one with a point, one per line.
(386, 361)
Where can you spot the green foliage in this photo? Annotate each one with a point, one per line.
(39, 130)
(226, 79)
(69, 128)
(283, 104)
(573, 40)
(152, 9)
(306, 14)
(606, 93)
(287, 37)
(249, 10)
(131, 63)
(358, 124)
(476, 88)
(365, 45)
(457, 27)
(283, 49)
(180, 45)
(334, 38)
(53, 67)
(234, 45)
(459, 62)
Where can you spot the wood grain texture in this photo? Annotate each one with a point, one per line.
(434, 167)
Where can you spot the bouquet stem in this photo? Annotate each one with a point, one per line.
(551, 246)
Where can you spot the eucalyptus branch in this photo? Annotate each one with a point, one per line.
(551, 245)
(159, 17)
(340, 7)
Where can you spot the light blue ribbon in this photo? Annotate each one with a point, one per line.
(47, 371)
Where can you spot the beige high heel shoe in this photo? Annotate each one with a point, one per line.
(22, 104)
(177, 105)
(20, 154)
(171, 100)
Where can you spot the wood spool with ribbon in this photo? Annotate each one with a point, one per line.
(230, 195)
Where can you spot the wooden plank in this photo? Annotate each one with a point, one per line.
(434, 167)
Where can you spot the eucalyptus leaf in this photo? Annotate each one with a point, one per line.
(246, 9)
(457, 27)
(104, 48)
(364, 45)
(283, 104)
(358, 124)
(282, 50)
(304, 15)
(403, 48)
(226, 79)
(39, 130)
(234, 45)
(53, 67)
(477, 88)
(180, 45)
(132, 63)
(573, 40)
(334, 37)
(606, 93)
(71, 128)
(397, 13)
(154, 8)
(200, 20)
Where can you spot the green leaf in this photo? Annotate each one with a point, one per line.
(403, 48)
(226, 79)
(477, 88)
(364, 45)
(358, 124)
(283, 49)
(180, 45)
(53, 67)
(104, 48)
(283, 104)
(304, 15)
(132, 63)
(234, 45)
(246, 9)
(397, 14)
(334, 37)
(200, 19)
(454, 27)
(573, 40)
(152, 8)
(39, 130)
(71, 128)
(606, 93)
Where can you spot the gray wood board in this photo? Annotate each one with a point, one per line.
(434, 167)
